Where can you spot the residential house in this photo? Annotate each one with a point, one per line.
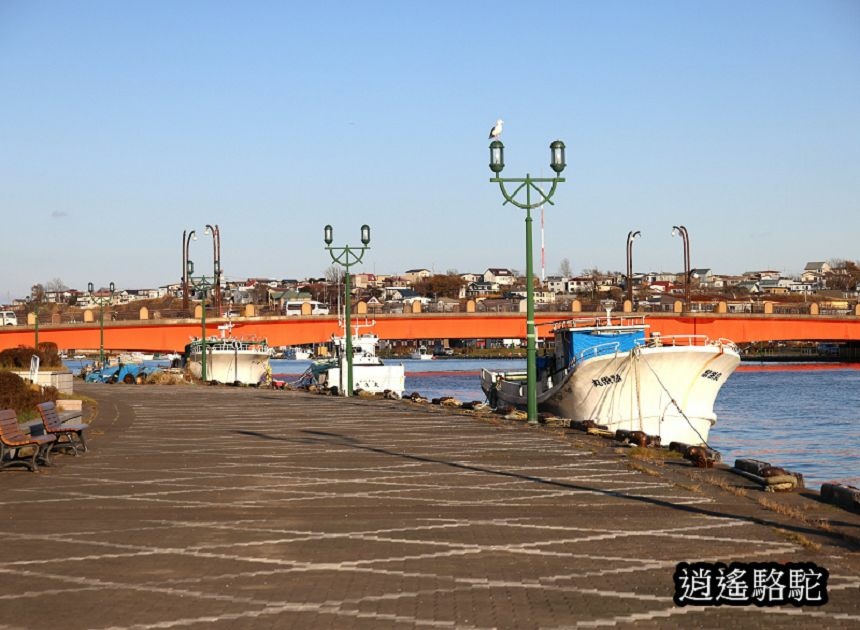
(482, 289)
(500, 276)
(468, 278)
(414, 275)
(557, 284)
(815, 271)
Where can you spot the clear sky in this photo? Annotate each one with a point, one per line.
(124, 123)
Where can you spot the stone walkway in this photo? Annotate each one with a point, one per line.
(207, 507)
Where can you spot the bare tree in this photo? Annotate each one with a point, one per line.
(55, 285)
(334, 274)
(564, 269)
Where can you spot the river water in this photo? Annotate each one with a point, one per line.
(803, 417)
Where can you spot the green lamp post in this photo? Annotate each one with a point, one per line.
(101, 300)
(347, 256)
(201, 284)
(528, 184)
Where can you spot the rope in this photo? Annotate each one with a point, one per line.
(674, 402)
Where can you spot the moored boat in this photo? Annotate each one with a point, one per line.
(369, 373)
(611, 373)
(421, 354)
(229, 359)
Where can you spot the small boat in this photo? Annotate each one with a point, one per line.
(369, 373)
(135, 357)
(421, 354)
(609, 372)
(229, 359)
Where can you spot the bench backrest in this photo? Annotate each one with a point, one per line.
(9, 424)
(50, 417)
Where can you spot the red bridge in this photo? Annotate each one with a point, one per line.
(165, 335)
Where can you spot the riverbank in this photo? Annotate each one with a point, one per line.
(220, 506)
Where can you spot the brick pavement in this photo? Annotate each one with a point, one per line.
(238, 508)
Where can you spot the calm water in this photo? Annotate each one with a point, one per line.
(805, 418)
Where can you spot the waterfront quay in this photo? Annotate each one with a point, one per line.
(223, 507)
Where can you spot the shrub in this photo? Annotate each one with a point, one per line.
(17, 394)
(19, 358)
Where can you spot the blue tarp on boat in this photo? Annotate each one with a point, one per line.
(609, 341)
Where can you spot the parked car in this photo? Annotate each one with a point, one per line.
(8, 318)
(294, 307)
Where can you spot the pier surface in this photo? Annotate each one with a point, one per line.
(213, 507)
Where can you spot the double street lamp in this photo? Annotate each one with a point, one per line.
(528, 184)
(631, 236)
(347, 256)
(216, 262)
(202, 285)
(186, 241)
(682, 231)
(101, 300)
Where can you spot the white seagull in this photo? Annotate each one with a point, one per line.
(496, 131)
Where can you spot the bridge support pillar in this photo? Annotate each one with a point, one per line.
(250, 310)
(813, 308)
(31, 319)
(628, 306)
(361, 308)
(857, 310)
(88, 316)
(722, 307)
(768, 308)
(198, 312)
(678, 307)
(144, 312)
(470, 306)
(576, 306)
(416, 306)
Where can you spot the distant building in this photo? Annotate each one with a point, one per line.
(500, 276)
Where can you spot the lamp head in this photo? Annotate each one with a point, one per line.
(90, 287)
(328, 235)
(497, 156)
(556, 161)
(111, 287)
(365, 234)
(209, 229)
(189, 267)
(632, 236)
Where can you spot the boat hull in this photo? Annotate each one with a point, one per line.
(662, 391)
(373, 378)
(247, 367)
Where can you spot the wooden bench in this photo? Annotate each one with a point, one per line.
(54, 425)
(13, 440)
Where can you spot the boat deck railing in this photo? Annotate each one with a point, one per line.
(657, 341)
(611, 322)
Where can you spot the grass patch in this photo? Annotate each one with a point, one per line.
(798, 539)
(632, 465)
(725, 485)
(692, 487)
(654, 455)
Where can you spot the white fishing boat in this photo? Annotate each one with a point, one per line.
(229, 359)
(611, 373)
(421, 354)
(369, 373)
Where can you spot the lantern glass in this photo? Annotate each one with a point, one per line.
(112, 287)
(189, 267)
(497, 156)
(328, 233)
(90, 287)
(557, 156)
(365, 234)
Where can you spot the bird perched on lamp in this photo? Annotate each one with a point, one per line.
(496, 131)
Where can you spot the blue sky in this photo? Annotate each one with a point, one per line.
(125, 123)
